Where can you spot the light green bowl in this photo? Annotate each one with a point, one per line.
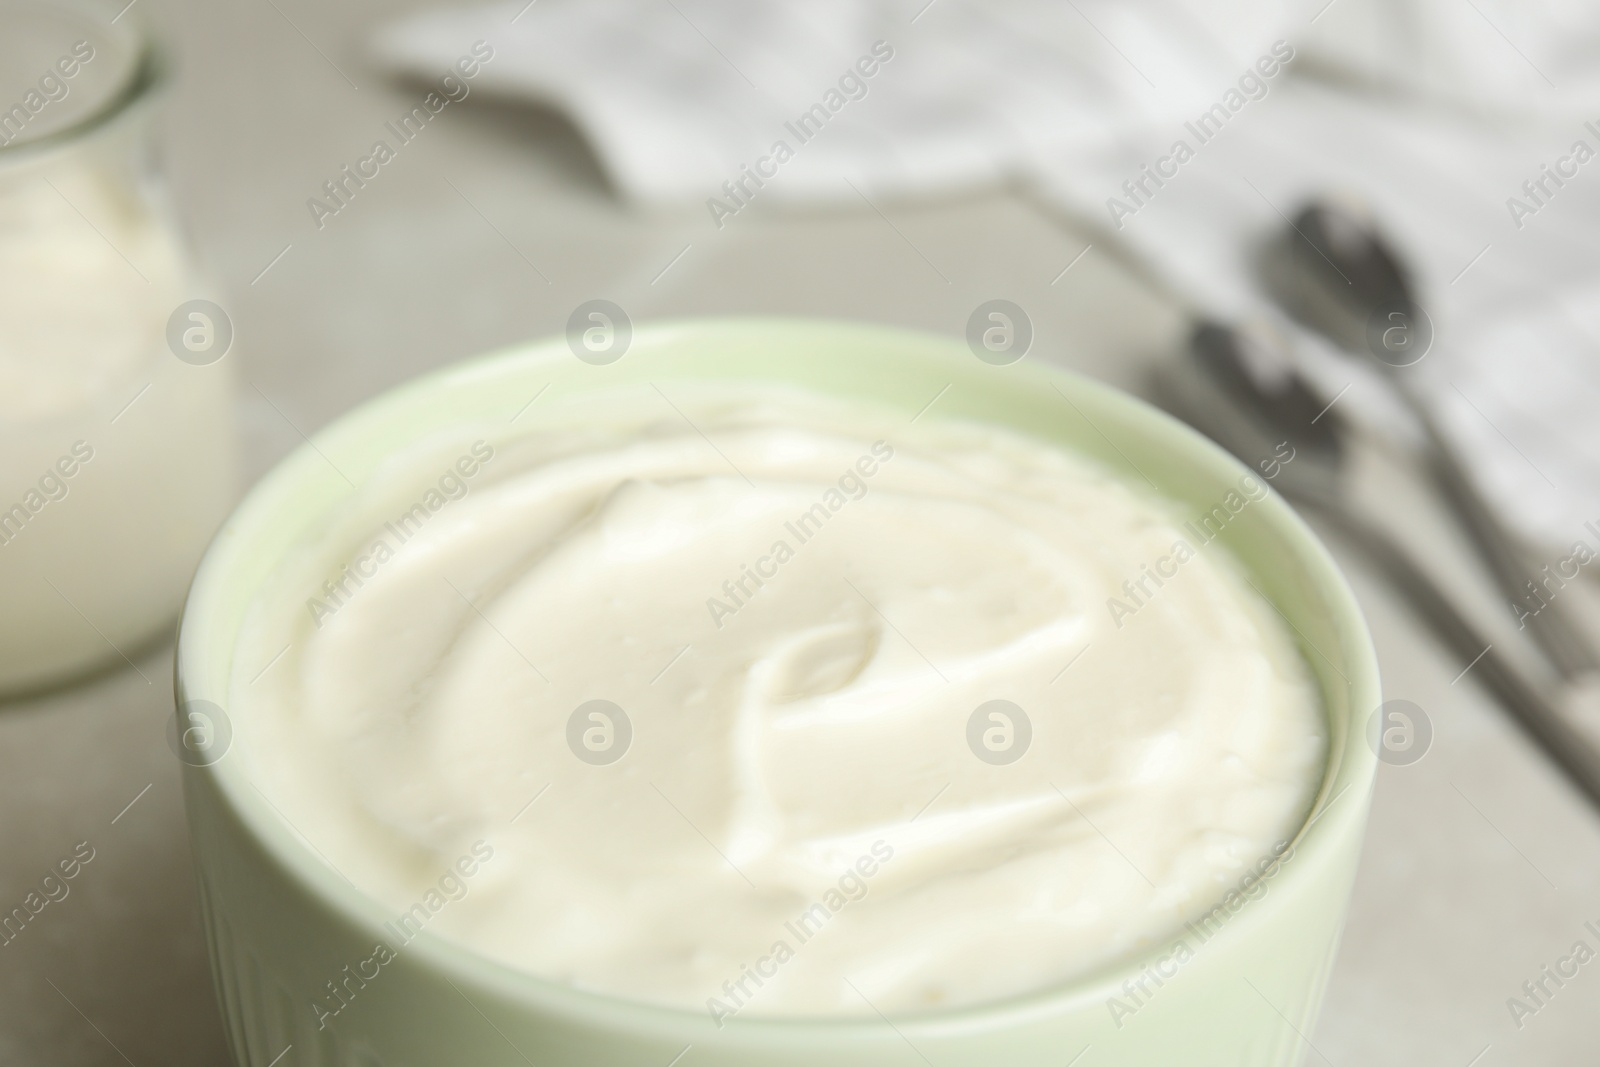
(280, 923)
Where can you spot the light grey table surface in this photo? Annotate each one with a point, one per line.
(1481, 865)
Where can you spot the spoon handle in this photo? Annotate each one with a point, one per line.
(1546, 618)
(1529, 702)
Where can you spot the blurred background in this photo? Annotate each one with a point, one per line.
(1366, 228)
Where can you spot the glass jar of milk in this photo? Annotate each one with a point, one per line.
(116, 399)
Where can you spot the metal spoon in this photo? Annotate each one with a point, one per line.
(1238, 388)
(1336, 273)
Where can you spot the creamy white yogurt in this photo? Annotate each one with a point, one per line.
(116, 457)
(808, 803)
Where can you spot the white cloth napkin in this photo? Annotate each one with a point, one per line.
(1504, 57)
(1433, 112)
(1515, 366)
(676, 96)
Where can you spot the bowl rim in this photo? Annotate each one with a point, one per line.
(1351, 761)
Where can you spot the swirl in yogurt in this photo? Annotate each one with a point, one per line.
(772, 705)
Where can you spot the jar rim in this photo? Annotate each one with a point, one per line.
(147, 71)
